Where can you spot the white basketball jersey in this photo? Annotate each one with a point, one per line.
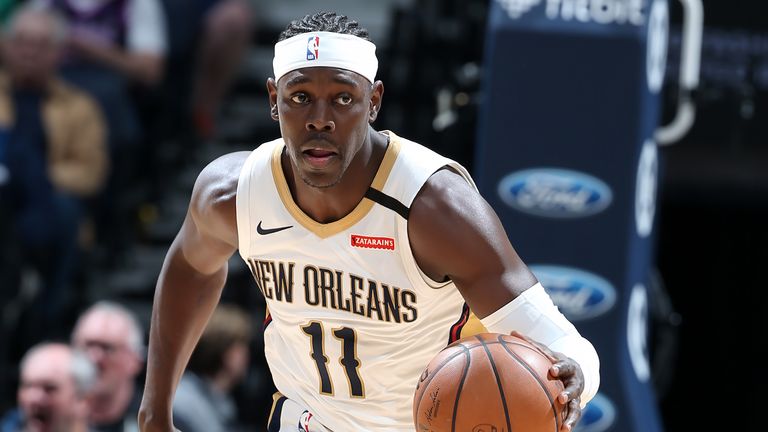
(352, 319)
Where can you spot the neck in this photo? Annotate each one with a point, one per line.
(109, 407)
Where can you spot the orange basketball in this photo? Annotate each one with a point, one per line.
(488, 382)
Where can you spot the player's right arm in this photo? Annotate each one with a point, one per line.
(190, 285)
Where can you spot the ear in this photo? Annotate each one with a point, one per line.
(377, 93)
(272, 90)
(136, 364)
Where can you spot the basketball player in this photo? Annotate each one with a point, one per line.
(369, 249)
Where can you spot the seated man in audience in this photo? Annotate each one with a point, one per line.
(53, 157)
(53, 391)
(111, 336)
(116, 50)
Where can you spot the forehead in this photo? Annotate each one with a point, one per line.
(323, 75)
(47, 366)
(104, 326)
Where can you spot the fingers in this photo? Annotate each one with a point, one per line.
(567, 372)
(574, 414)
(563, 369)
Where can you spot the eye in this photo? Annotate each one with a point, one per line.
(300, 98)
(344, 100)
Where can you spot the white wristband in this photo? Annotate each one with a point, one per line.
(533, 314)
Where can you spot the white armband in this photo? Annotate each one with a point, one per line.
(534, 314)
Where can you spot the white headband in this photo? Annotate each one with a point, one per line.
(325, 49)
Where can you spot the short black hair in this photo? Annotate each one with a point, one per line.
(324, 21)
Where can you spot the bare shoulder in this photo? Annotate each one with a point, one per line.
(215, 190)
(447, 208)
(448, 194)
(446, 215)
(217, 182)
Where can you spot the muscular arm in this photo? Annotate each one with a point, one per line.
(189, 285)
(467, 244)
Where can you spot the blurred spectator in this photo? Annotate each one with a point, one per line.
(127, 36)
(226, 33)
(116, 50)
(53, 391)
(204, 401)
(208, 41)
(112, 338)
(52, 156)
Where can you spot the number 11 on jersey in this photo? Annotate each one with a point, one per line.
(348, 360)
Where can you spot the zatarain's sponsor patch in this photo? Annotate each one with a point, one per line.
(369, 242)
(555, 193)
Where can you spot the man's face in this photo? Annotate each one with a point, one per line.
(47, 394)
(324, 115)
(104, 337)
(31, 52)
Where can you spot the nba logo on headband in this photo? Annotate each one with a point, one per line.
(313, 50)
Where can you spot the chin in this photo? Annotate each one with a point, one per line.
(320, 182)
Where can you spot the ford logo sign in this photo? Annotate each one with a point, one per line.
(554, 193)
(579, 294)
(598, 416)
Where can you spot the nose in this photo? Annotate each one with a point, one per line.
(320, 118)
(95, 353)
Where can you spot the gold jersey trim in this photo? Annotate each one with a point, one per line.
(363, 207)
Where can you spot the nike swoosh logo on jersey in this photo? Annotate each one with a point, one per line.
(265, 231)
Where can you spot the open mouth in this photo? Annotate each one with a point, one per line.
(319, 153)
(319, 157)
(38, 420)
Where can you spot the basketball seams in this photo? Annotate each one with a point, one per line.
(498, 383)
(496, 359)
(461, 385)
(472, 346)
(432, 373)
(534, 374)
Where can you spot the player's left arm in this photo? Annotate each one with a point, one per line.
(456, 235)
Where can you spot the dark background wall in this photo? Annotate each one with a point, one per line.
(713, 239)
